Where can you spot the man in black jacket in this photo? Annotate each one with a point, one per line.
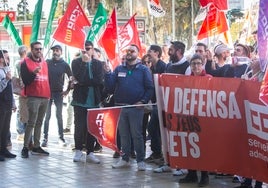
(6, 104)
(57, 68)
(88, 81)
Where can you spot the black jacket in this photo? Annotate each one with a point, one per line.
(81, 74)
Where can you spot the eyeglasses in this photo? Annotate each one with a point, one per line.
(38, 49)
(196, 63)
(88, 48)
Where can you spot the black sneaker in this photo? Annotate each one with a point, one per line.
(116, 155)
(66, 130)
(98, 149)
(189, 179)
(133, 155)
(39, 151)
(7, 154)
(24, 152)
(154, 158)
(203, 182)
(2, 158)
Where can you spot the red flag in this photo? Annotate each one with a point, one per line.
(129, 34)
(108, 40)
(264, 89)
(71, 29)
(102, 123)
(220, 4)
(214, 24)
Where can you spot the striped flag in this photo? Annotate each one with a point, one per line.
(99, 20)
(11, 30)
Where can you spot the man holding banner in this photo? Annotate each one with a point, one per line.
(131, 84)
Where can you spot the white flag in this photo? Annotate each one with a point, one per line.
(201, 15)
(155, 8)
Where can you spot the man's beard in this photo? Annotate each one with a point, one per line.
(173, 58)
(56, 56)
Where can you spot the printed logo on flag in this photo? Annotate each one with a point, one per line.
(257, 119)
(99, 123)
(156, 9)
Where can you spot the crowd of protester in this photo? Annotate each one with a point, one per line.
(90, 79)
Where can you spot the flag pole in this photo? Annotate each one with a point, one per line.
(173, 20)
(49, 49)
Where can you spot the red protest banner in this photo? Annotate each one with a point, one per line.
(214, 124)
(102, 123)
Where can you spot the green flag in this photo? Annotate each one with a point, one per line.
(50, 20)
(99, 20)
(36, 20)
(11, 30)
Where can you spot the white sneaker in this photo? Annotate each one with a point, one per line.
(180, 172)
(164, 168)
(78, 156)
(141, 166)
(91, 158)
(62, 142)
(121, 164)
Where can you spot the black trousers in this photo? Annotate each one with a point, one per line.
(81, 134)
(5, 117)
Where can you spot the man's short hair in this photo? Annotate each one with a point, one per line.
(156, 48)
(34, 43)
(2, 52)
(136, 47)
(246, 49)
(202, 44)
(88, 43)
(22, 49)
(179, 46)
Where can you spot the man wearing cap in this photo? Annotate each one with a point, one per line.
(88, 75)
(221, 53)
(57, 68)
(237, 68)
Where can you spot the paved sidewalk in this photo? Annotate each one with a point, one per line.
(59, 170)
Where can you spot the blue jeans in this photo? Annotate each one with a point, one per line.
(19, 125)
(57, 98)
(154, 132)
(130, 126)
